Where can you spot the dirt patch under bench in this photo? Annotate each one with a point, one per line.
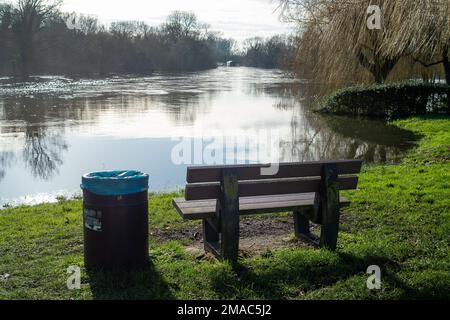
(256, 235)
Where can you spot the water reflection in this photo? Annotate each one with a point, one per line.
(26, 125)
(54, 129)
(326, 137)
(42, 151)
(5, 161)
(321, 137)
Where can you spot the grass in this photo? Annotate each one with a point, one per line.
(399, 219)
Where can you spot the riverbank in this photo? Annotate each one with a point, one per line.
(399, 219)
(389, 101)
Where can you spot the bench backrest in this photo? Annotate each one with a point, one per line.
(204, 182)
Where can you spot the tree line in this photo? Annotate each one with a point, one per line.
(37, 38)
(273, 52)
(336, 46)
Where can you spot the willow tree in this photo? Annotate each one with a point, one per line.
(335, 34)
(337, 46)
(422, 31)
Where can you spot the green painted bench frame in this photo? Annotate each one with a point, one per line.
(220, 194)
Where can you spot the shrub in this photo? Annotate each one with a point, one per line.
(390, 100)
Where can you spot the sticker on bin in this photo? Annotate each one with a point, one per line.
(93, 220)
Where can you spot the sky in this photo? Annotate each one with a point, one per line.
(238, 19)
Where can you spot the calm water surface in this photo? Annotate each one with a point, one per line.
(54, 129)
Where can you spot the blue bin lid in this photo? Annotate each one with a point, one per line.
(115, 183)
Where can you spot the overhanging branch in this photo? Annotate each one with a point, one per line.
(427, 65)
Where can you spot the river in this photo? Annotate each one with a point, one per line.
(54, 129)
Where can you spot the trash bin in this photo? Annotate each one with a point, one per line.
(115, 219)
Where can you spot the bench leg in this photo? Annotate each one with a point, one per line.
(330, 207)
(210, 238)
(302, 228)
(229, 216)
(301, 224)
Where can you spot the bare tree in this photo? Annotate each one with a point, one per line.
(182, 24)
(29, 18)
(5, 35)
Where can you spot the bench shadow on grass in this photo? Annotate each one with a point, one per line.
(140, 284)
(311, 276)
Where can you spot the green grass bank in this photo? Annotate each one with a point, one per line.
(399, 219)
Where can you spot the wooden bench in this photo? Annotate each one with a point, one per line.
(220, 194)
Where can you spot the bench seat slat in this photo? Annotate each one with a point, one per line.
(204, 209)
(244, 200)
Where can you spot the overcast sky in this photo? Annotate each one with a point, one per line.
(238, 19)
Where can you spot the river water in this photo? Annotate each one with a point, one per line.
(54, 129)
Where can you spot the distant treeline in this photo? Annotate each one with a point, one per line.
(36, 38)
(275, 52)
